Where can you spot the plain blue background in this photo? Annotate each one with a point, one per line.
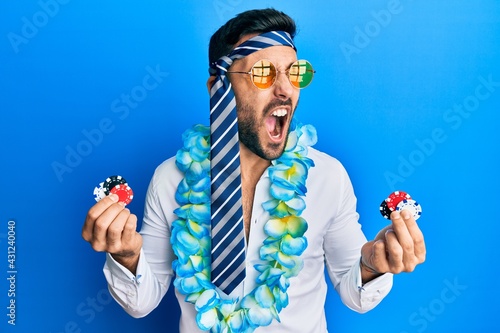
(406, 96)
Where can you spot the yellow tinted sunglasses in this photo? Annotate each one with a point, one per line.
(263, 74)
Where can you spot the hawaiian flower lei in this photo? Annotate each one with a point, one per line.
(280, 251)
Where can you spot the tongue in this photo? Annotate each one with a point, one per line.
(273, 126)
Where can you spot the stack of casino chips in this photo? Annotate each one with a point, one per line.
(117, 185)
(398, 201)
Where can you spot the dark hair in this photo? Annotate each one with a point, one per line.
(251, 21)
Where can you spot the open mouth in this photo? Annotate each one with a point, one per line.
(276, 123)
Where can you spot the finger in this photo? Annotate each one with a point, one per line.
(399, 222)
(94, 213)
(379, 257)
(101, 225)
(395, 253)
(400, 259)
(115, 230)
(381, 233)
(129, 229)
(417, 236)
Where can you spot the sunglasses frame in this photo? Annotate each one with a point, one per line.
(277, 72)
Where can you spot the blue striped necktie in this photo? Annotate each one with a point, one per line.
(228, 236)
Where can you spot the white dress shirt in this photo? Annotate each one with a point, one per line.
(334, 239)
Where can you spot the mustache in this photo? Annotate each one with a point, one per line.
(276, 103)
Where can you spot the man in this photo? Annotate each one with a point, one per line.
(288, 236)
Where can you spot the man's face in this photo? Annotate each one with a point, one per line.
(264, 116)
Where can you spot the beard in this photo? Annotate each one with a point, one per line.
(248, 130)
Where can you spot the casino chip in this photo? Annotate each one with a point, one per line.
(384, 210)
(111, 182)
(412, 206)
(99, 192)
(395, 198)
(124, 193)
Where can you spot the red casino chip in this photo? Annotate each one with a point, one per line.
(395, 198)
(124, 193)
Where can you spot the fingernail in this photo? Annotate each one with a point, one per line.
(405, 214)
(113, 197)
(395, 215)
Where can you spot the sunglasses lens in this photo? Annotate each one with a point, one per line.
(263, 74)
(301, 73)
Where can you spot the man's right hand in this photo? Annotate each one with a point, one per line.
(110, 227)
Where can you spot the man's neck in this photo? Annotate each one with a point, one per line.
(252, 167)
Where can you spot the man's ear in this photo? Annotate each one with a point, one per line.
(210, 82)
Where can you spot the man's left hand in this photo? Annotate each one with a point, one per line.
(399, 247)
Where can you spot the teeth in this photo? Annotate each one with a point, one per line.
(279, 113)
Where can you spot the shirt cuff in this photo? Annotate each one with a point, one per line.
(119, 272)
(122, 284)
(372, 292)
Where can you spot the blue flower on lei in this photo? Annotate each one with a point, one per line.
(280, 252)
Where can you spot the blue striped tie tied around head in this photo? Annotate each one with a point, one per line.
(228, 236)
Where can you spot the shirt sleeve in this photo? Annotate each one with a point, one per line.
(342, 246)
(140, 294)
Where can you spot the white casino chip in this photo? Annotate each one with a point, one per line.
(412, 206)
(99, 192)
